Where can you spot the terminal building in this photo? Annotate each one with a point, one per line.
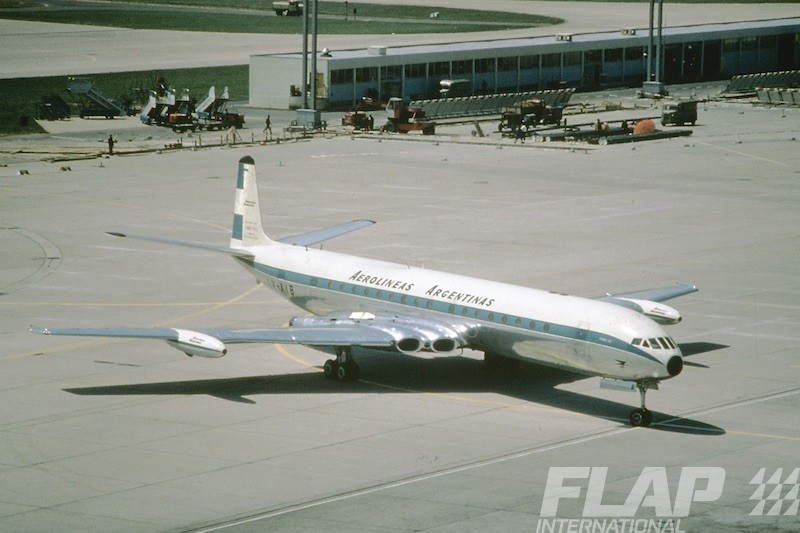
(588, 61)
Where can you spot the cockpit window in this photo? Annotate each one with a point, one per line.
(658, 343)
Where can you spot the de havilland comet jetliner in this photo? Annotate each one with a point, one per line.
(393, 307)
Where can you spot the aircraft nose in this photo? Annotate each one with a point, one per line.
(675, 365)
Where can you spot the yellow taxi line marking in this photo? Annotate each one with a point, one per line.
(744, 154)
(765, 435)
(289, 355)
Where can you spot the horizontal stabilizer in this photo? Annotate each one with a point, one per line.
(320, 235)
(188, 244)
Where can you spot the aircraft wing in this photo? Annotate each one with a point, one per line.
(351, 335)
(661, 294)
(317, 236)
(648, 302)
(393, 333)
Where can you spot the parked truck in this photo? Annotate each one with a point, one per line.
(454, 88)
(292, 8)
(679, 113)
(531, 113)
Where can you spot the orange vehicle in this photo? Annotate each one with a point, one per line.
(403, 119)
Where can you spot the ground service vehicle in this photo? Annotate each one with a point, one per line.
(401, 118)
(212, 112)
(454, 88)
(679, 113)
(532, 113)
(186, 114)
(358, 119)
(292, 8)
(92, 102)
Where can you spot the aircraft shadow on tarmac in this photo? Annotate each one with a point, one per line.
(383, 373)
(693, 348)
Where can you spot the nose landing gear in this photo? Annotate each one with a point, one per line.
(642, 416)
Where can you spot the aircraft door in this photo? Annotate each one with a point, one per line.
(581, 346)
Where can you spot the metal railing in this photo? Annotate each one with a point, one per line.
(489, 104)
(748, 83)
(778, 96)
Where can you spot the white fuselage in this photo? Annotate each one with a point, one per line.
(579, 334)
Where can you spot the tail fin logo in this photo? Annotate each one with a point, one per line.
(247, 229)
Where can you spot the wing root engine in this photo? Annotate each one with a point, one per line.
(409, 335)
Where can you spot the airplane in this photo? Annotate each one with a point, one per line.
(366, 303)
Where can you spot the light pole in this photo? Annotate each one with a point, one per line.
(654, 84)
(309, 114)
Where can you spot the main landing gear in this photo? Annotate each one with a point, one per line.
(344, 368)
(642, 416)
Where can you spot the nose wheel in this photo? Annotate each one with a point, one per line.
(344, 368)
(642, 416)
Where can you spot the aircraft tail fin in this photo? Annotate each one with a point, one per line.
(247, 228)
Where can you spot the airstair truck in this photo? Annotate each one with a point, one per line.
(92, 101)
(212, 112)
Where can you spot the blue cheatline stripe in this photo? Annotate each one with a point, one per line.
(240, 177)
(454, 310)
(238, 224)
